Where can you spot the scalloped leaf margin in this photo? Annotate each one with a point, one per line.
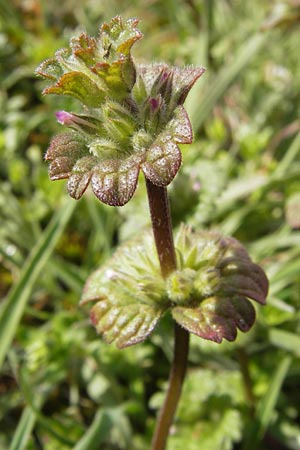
(130, 294)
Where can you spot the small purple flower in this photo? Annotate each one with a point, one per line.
(64, 118)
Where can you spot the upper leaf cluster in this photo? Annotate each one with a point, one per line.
(132, 116)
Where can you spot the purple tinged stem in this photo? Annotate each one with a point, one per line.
(163, 236)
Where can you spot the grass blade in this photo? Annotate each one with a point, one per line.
(24, 430)
(285, 340)
(267, 405)
(199, 105)
(97, 432)
(15, 303)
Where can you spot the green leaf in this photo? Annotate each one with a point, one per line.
(129, 294)
(118, 37)
(16, 301)
(79, 86)
(113, 76)
(50, 69)
(85, 48)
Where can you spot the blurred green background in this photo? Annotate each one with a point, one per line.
(61, 386)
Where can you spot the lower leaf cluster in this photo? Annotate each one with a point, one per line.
(208, 294)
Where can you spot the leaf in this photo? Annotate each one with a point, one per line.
(16, 301)
(85, 48)
(243, 277)
(80, 176)
(80, 86)
(50, 69)
(113, 76)
(63, 152)
(162, 163)
(217, 318)
(119, 37)
(124, 323)
(66, 144)
(180, 127)
(114, 181)
(131, 293)
(184, 80)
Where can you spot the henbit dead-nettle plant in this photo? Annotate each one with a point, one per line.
(133, 119)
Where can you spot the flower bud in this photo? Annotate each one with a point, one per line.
(85, 124)
(163, 84)
(118, 122)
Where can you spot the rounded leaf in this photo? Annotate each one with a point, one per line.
(131, 294)
(114, 181)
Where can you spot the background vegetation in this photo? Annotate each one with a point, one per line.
(61, 386)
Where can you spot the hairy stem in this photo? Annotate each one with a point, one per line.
(177, 373)
(162, 227)
(163, 236)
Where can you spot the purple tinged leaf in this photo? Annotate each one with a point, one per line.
(163, 85)
(162, 163)
(60, 168)
(179, 127)
(150, 72)
(130, 287)
(80, 176)
(66, 144)
(241, 276)
(124, 324)
(127, 293)
(63, 152)
(217, 318)
(184, 80)
(114, 181)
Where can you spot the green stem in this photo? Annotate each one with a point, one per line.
(163, 236)
(242, 358)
